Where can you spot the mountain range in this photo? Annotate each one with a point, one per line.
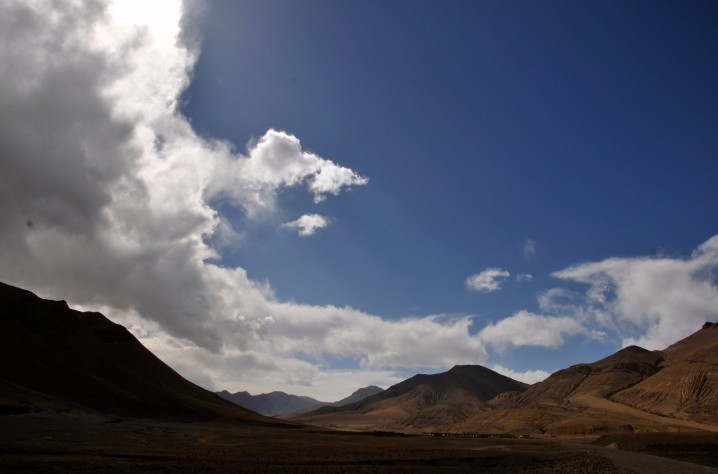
(280, 403)
(54, 358)
(633, 389)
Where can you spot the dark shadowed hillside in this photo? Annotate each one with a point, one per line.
(54, 357)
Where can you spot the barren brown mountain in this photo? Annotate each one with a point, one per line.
(631, 390)
(53, 357)
(686, 386)
(603, 378)
(422, 402)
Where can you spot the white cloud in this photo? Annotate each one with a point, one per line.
(654, 301)
(529, 248)
(528, 329)
(555, 300)
(524, 277)
(308, 224)
(276, 161)
(108, 198)
(559, 300)
(487, 281)
(285, 351)
(431, 341)
(114, 180)
(529, 376)
(261, 372)
(330, 179)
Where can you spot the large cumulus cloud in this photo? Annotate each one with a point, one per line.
(108, 198)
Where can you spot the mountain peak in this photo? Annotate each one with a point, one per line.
(427, 401)
(359, 395)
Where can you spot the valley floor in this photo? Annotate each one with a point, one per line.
(45, 442)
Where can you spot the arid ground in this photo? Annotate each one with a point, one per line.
(50, 442)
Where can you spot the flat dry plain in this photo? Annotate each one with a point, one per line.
(48, 442)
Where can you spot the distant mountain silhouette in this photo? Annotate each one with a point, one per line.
(270, 404)
(279, 403)
(56, 358)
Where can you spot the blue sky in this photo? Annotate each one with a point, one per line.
(588, 128)
(317, 196)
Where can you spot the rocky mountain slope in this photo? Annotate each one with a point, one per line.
(686, 384)
(632, 390)
(603, 378)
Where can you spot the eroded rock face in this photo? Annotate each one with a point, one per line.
(603, 378)
(623, 392)
(686, 386)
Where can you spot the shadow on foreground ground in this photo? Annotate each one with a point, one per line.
(64, 443)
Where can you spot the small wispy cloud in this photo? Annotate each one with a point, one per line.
(529, 248)
(487, 281)
(308, 224)
(524, 277)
